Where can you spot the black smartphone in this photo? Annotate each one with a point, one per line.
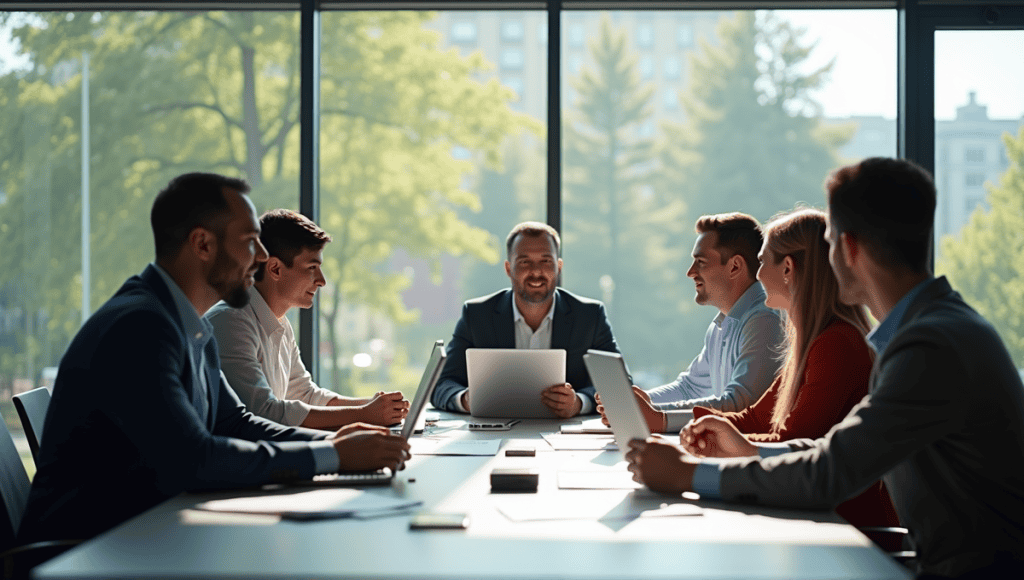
(439, 521)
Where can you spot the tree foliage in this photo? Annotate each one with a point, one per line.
(620, 239)
(753, 140)
(985, 260)
(218, 91)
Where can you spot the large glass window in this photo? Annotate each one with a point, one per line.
(98, 111)
(979, 79)
(770, 102)
(428, 158)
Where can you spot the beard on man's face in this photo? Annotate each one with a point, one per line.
(233, 293)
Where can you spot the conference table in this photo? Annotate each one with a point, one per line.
(562, 530)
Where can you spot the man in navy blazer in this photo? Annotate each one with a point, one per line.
(140, 410)
(534, 313)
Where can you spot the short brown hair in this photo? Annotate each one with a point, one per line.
(889, 206)
(532, 229)
(738, 233)
(286, 233)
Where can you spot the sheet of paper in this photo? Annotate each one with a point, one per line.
(317, 504)
(590, 426)
(453, 446)
(597, 479)
(591, 508)
(562, 442)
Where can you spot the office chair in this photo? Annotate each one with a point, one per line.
(17, 559)
(31, 406)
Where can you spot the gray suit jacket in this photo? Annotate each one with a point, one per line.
(943, 425)
(579, 324)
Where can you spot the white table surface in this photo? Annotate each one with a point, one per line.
(727, 541)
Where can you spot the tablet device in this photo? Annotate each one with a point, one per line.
(508, 382)
(608, 372)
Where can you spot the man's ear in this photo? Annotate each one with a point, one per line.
(203, 244)
(736, 265)
(508, 268)
(273, 267)
(850, 248)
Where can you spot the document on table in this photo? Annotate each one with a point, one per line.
(453, 446)
(563, 442)
(589, 508)
(588, 427)
(314, 505)
(597, 479)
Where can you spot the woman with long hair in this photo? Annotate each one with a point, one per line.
(826, 359)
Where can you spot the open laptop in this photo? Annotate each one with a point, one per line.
(416, 416)
(508, 382)
(608, 372)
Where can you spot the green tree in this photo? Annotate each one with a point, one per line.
(618, 244)
(753, 140)
(218, 91)
(985, 260)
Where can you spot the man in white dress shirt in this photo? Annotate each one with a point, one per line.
(258, 353)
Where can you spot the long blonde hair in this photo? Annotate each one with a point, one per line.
(799, 234)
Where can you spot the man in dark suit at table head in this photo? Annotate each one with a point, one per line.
(140, 410)
(534, 313)
(942, 424)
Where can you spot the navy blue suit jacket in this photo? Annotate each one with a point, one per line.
(123, 432)
(579, 324)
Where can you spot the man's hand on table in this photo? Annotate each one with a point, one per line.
(714, 436)
(656, 420)
(562, 400)
(661, 465)
(385, 409)
(363, 447)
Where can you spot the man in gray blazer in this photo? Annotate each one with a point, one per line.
(942, 425)
(534, 313)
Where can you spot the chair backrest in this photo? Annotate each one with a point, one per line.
(14, 486)
(32, 406)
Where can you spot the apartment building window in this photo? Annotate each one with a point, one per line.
(512, 31)
(974, 155)
(464, 32)
(974, 179)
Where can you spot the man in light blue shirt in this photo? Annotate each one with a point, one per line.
(942, 424)
(742, 345)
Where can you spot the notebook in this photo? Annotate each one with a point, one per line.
(608, 372)
(508, 382)
(416, 415)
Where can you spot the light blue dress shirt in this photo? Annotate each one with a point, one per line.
(736, 366)
(707, 477)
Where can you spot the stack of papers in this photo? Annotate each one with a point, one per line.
(314, 505)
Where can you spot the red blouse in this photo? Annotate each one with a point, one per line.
(835, 380)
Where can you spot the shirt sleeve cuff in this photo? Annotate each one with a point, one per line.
(586, 405)
(457, 401)
(325, 457)
(773, 449)
(707, 481)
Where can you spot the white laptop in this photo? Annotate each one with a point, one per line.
(508, 382)
(413, 421)
(608, 372)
